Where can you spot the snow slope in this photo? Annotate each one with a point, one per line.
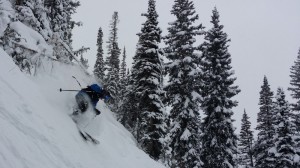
(36, 130)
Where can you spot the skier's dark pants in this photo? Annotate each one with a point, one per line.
(82, 100)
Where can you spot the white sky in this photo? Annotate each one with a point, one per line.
(265, 37)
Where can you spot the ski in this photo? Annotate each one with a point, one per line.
(95, 141)
(86, 136)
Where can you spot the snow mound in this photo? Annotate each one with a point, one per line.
(36, 130)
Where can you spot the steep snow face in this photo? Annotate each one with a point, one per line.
(36, 130)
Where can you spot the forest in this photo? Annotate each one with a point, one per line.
(176, 100)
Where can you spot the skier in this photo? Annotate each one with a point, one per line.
(90, 96)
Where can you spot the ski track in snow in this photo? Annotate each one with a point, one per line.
(37, 131)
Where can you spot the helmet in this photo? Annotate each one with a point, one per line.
(96, 88)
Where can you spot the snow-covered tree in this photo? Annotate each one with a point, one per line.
(123, 81)
(147, 74)
(219, 143)
(32, 19)
(84, 62)
(113, 62)
(265, 141)
(128, 111)
(99, 65)
(20, 54)
(70, 7)
(80, 53)
(59, 13)
(123, 66)
(27, 14)
(246, 143)
(181, 93)
(295, 88)
(33, 13)
(284, 133)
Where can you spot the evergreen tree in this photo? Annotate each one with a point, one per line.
(70, 7)
(99, 65)
(219, 143)
(246, 143)
(123, 83)
(33, 14)
(20, 54)
(128, 111)
(181, 93)
(113, 62)
(59, 13)
(84, 62)
(284, 132)
(264, 159)
(80, 53)
(147, 77)
(123, 66)
(295, 88)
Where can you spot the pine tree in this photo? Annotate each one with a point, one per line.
(181, 93)
(84, 62)
(20, 54)
(147, 77)
(246, 143)
(99, 65)
(113, 62)
(33, 14)
(219, 143)
(284, 132)
(123, 83)
(59, 13)
(123, 77)
(70, 7)
(123, 66)
(295, 88)
(80, 53)
(128, 111)
(264, 159)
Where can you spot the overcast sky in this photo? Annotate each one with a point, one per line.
(265, 37)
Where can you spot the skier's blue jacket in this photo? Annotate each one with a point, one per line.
(94, 93)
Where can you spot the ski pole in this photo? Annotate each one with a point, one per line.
(64, 90)
(77, 81)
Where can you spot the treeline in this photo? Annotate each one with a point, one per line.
(161, 98)
(164, 116)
